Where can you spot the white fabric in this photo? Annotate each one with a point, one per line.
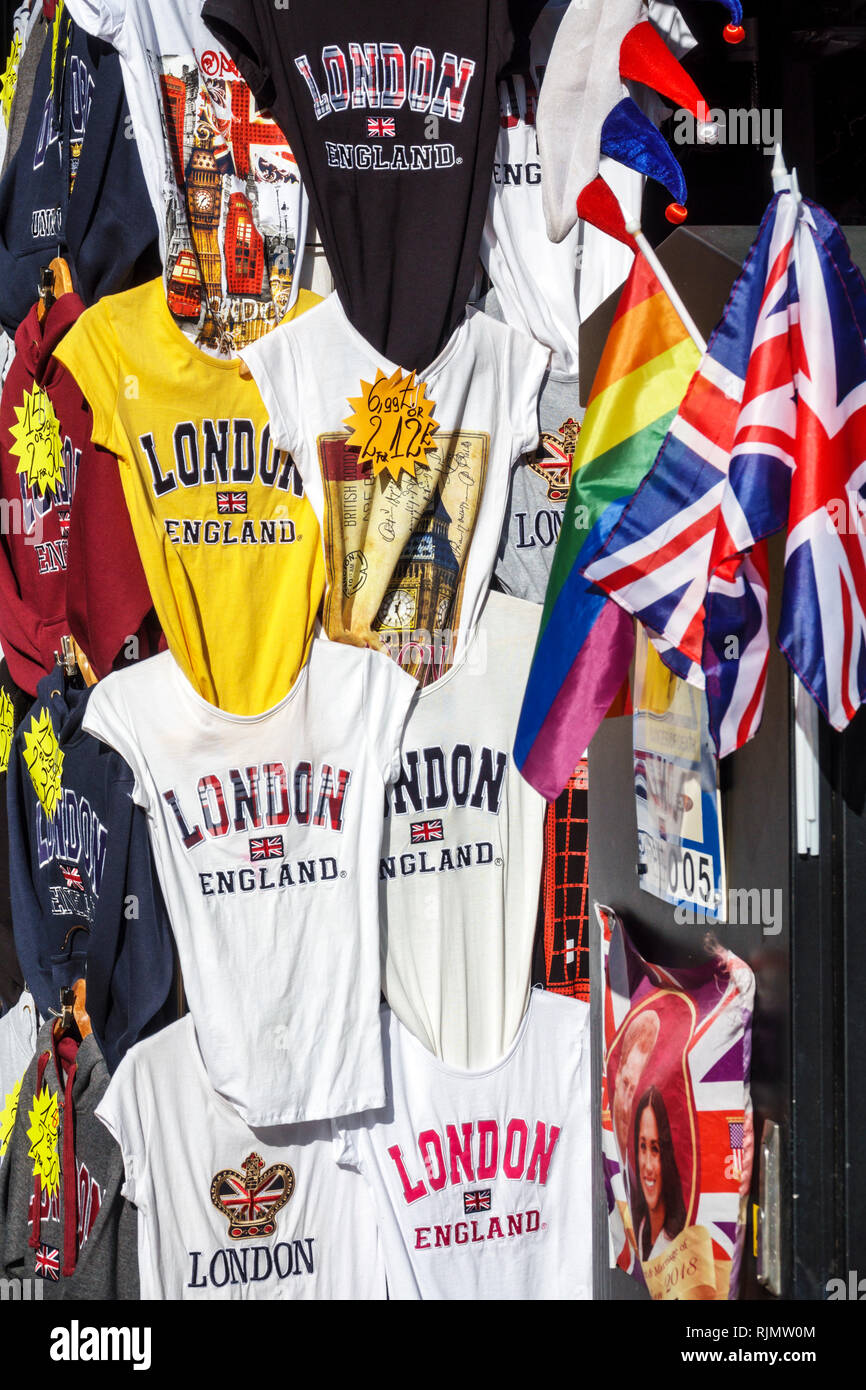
(486, 380)
(459, 912)
(176, 1135)
(523, 1126)
(152, 36)
(581, 86)
(18, 1031)
(545, 289)
(279, 954)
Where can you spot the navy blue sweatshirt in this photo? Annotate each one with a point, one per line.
(75, 186)
(14, 704)
(85, 897)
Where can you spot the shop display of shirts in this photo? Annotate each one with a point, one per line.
(225, 188)
(445, 515)
(266, 832)
(79, 854)
(460, 867)
(393, 117)
(482, 1178)
(18, 1029)
(225, 1212)
(218, 512)
(63, 1218)
(75, 187)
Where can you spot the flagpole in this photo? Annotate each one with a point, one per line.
(632, 226)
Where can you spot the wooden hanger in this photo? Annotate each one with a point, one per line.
(73, 1017)
(84, 666)
(56, 282)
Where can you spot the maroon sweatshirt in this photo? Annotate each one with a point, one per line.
(64, 568)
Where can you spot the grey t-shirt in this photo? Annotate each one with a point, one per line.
(104, 1261)
(539, 487)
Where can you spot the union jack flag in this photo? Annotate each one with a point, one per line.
(381, 125)
(476, 1201)
(231, 502)
(267, 847)
(47, 1263)
(822, 629)
(424, 830)
(772, 431)
(72, 878)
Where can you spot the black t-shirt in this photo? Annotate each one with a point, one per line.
(391, 109)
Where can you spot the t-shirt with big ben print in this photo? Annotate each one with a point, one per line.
(408, 474)
(223, 181)
(229, 542)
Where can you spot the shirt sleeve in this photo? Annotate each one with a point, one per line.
(388, 695)
(119, 1111)
(524, 366)
(237, 27)
(344, 1147)
(89, 352)
(107, 718)
(103, 18)
(276, 372)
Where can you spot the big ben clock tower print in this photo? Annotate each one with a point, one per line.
(204, 201)
(422, 590)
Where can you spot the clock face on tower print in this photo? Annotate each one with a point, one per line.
(203, 200)
(398, 610)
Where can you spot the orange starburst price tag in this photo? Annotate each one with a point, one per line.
(392, 423)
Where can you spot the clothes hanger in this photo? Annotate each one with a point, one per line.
(54, 282)
(73, 1019)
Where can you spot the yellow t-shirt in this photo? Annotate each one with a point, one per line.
(229, 543)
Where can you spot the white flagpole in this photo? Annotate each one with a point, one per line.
(632, 226)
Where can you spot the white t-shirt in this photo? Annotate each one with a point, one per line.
(461, 856)
(484, 385)
(482, 1178)
(546, 289)
(266, 832)
(225, 1212)
(18, 1030)
(225, 187)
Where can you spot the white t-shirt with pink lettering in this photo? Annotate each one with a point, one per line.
(482, 1179)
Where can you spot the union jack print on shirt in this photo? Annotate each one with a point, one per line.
(252, 1204)
(382, 125)
(47, 1263)
(425, 830)
(231, 502)
(72, 878)
(476, 1201)
(267, 847)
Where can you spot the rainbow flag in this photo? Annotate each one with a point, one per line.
(586, 641)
